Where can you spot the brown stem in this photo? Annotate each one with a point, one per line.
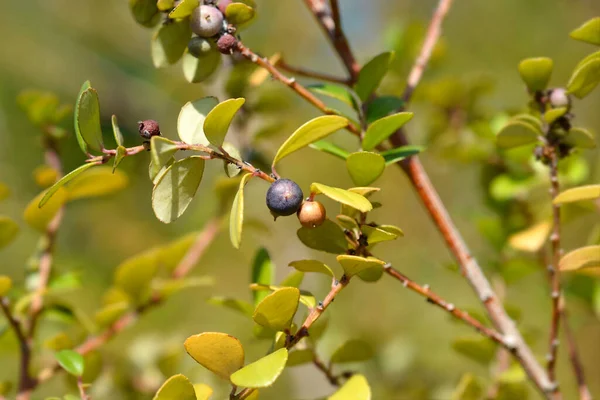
(333, 379)
(81, 387)
(331, 25)
(310, 74)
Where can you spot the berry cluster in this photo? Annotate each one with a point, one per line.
(208, 22)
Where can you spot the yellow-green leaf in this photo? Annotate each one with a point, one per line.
(100, 181)
(236, 217)
(262, 272)
(355, 388)
(588, 32)
(346, 197)
(515, 134)
(110, 313)
(478, 349)
(82, 144)
(71, 361)
(365, 167)
(169, 42)
(134, 275)
(218, 352)
(352, 265)
(536, 72)
(4, 191)
(581, 193)
(219, 118)
(45, 176)
(145, 12)
(39, 218)
(8, 230)
(197, 70)
(64, 180)
(383, 128)
(371, 74)
(394, 230)
(277, 310)
(585, 78)
(176, 188)
(116, 131)
(203, 391)
(584, 257)
(231, 170)
(355, 350)
(176, 387)
(263, 372)
(328, 237)
(552, 115)
(531, 239)
(310, 132)
(5, 284)
(165, 5)
(184, 9)
(311, 266)
(88, 119)
(330, 148)
(580, 137)
(239, 13)
(378, 234)
(190, 123)
(234, 304)
(121, 153)
(334, 91)
(299, 357)
(162, 151)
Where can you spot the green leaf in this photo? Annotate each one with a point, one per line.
(277, 309)
(588, 32)
(218, 352)
(355, 350)
(165, 5)
(355, 388)
(110, 313)
(231, 170)
(478, 349)
(330, 148)
(234, 304)
(4, 191)
(262, 272)
(377, 234)
(347, 222)
(585, 78)
(100, 181)
(190, 123)
(162, 151)
(392, 156)
(39, 218)
(135, 274)
(70, 361)
(581, 193)
(145, 12)
(512, 384)
(584, 257)
(580, 137)
(365, 167)
(515, 134)
(553, 114)
(197, 70)
(176, 188)
(534, 122)
(184, 9)
(176, 387)
(121, 153)
(236, 217)
(310, 132)
(299, 357)
(82, 144)
(352, 265)
(219, 118)
(371, 75)
(88, 119)
(383, 128)
(391, 229)
(312, 266)
(169, 42)
(469, 388)
(263, 372)
(328, 238)
(239, 13)
(8, 231)
(64, 180)
(536, 72)
(5, 284)
(116, 131)
(332, 90)
(347, 197)
(382, 107)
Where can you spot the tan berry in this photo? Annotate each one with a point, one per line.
(311, 214)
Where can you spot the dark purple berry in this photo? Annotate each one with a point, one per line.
(206, 21)
(284, 197)
(148, 128)
(226, 43)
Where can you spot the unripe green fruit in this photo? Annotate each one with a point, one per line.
(559, 98)
(311, 214)
(200, 47)
(206, 21)
(284, 197)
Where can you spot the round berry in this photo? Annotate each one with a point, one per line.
(311, 214)
(200, 47)
(559, 98)
(284, 197)
(148, 128)
(222, 4)
(206, 21)
(226, 43)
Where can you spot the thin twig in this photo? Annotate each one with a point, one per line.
(331, 25)
(310, 74)
(81, 387)
(333, 379)
(584, 391)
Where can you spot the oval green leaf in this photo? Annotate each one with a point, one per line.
(8, 230)
(39, 218)
(190, 123)
(197, 70)
(377, 235)
(218, 352)
(585, 78)
(584, 257)
(515, 134)
(219, 118)
(239, 13)
(365, 167)
(64, 180)
(236, 217)
(330, 148)
(352, 265)
(400, 153)
(299, 357)
(110, 313)
(382, 107)
(581, 193)
(145, 12)
(277, 309)
(580, 137)
(334, 91)
(310, 132)
(176, 387)
(203, 391)
(87, 116)
(162, 151)
(328, 237)
(70, 361)
(121, 153)
(82, 144)
(116, 131)
(536, 72)
(346, 197)
(312, 266)
(135, 274)
(263, 270)
(5, 284)
(588, 32)
(355, 350)
(383, 128)
(176, 188)
(184, 9)
(263, 372)
(100, 181)
(231, 170)
(553, 114)
(371, 75)
(355, 388)
(169, 42)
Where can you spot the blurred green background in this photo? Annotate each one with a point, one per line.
(56, 45)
